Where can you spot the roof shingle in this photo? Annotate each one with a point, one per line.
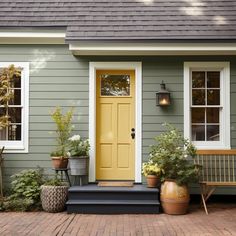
(121, 20)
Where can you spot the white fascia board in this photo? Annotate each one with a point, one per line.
(32, 37)
(153, 48)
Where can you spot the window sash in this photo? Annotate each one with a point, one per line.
(16, 146)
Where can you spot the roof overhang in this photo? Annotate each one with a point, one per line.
(32, 36)
(132, 49)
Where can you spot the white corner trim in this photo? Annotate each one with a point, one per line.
(23, 145)
(225, 126)
(137, 66)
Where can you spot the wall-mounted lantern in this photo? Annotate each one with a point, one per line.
(163, 96)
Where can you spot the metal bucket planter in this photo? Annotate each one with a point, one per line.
(54, 198)
(79, 165)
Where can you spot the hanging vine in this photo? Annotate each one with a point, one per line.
(7, 77)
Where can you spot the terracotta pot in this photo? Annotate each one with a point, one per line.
(152, 181)
(59, 162)
(174, 198)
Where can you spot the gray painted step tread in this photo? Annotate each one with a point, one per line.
(95, 188)
(113, 202)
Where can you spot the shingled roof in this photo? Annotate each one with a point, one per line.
(125, 19)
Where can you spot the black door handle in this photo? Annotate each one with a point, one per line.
(133, 133)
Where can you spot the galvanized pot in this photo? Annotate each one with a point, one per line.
(79, 165)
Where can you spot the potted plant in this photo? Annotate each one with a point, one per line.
(174, 154)
(54, 195)
(79, 155)
(63, 130)
(152, 173)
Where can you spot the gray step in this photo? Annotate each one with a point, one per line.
(113, 206)
(93, 192)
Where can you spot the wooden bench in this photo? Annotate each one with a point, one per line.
(218, 170)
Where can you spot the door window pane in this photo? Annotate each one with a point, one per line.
(115, 85)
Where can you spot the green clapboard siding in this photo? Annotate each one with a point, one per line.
(59, 78)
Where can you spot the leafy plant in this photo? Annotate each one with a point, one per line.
(63, 130)
(78, 147)
(7, 77)
(173, 154)
(54, 182)
(151, 168)
(25, 190)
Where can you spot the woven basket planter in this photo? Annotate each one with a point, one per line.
(54, 198)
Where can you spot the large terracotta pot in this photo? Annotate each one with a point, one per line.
(174, 198)
(152, 181)
(59, 162)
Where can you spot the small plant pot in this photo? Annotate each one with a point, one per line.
(53, 198)
(174, 198)
(59, 162)
(79, 165)
(152, 181)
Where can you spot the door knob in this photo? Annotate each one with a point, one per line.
(133, 133)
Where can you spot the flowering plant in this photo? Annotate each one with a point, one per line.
(78, 146)
(151, 168)
(174, 154)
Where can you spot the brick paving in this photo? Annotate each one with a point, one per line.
(220, 221)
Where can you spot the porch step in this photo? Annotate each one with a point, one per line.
(92, 199)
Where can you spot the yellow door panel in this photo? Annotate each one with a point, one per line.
(115, 158)
(123, 156)
(105, 154)
(124, 122)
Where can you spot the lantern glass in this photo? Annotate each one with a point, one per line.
(163, 99)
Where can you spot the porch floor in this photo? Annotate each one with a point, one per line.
(220, 221)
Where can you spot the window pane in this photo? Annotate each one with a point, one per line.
(213, 79)
(213, 133)
(15, 114)
(115, 85)
(198, 79)
(14, 132)
(16, 100)
(198, 97)
(16, 82)
(198, 115)
(198, 133)
(3, 134)
(213, 97)
(213, 115)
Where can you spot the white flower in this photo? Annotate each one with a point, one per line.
(75, 138)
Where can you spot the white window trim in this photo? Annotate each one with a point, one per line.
(137, 66)
(224, 67)
(23, 145)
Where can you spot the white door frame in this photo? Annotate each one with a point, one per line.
(93, 67)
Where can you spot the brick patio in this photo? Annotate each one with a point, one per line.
(220, 221)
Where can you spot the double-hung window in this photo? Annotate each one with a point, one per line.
(207, 104)
(15, 135)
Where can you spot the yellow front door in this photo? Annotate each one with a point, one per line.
(115, 122)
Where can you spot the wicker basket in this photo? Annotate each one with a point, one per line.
(54, 198)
